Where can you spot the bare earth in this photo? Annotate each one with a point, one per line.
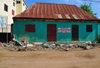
(50, 59)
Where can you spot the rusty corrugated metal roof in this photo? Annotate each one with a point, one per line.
(56, 11)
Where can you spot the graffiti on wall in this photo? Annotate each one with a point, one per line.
(3, 22)
(64, 30)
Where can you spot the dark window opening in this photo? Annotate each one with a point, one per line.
(13, 3)
(23, 4)
(89, 28)
(5, 7)
(30, 28)
(18, 2)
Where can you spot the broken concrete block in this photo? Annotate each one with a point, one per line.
(28, 45)
(38, 43)
(88, 47)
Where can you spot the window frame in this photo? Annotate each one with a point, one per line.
(89, 28)
(30, 28)
(14, 4)
(23, 4)
(6, 7)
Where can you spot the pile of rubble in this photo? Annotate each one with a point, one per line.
(66, 46)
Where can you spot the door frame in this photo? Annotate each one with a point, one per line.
(55, 34)
(76, 37)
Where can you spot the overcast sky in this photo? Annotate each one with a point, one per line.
(94, 5)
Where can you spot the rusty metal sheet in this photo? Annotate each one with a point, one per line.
(47, 10)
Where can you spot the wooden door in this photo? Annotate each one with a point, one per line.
(75, 32)
(51, 32)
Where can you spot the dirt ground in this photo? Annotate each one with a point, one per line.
(50, 59)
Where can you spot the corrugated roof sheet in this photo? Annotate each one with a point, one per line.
(56, 11)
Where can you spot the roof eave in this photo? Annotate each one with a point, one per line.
(55, 19)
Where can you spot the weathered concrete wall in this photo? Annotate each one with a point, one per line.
(10, 8)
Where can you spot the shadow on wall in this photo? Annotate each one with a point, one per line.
(4, 37)
(98, 38)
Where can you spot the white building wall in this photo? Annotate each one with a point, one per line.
(24, 6)
(8, 14)
(10, 8)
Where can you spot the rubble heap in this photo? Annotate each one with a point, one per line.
(65, 46)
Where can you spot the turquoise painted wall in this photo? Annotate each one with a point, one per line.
(40, 35)
(98, 29)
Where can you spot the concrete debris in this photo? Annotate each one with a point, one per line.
(30, 45)
(65, 46)
(38, 43)
(89, 42)
(67, 49)
(88, 47)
